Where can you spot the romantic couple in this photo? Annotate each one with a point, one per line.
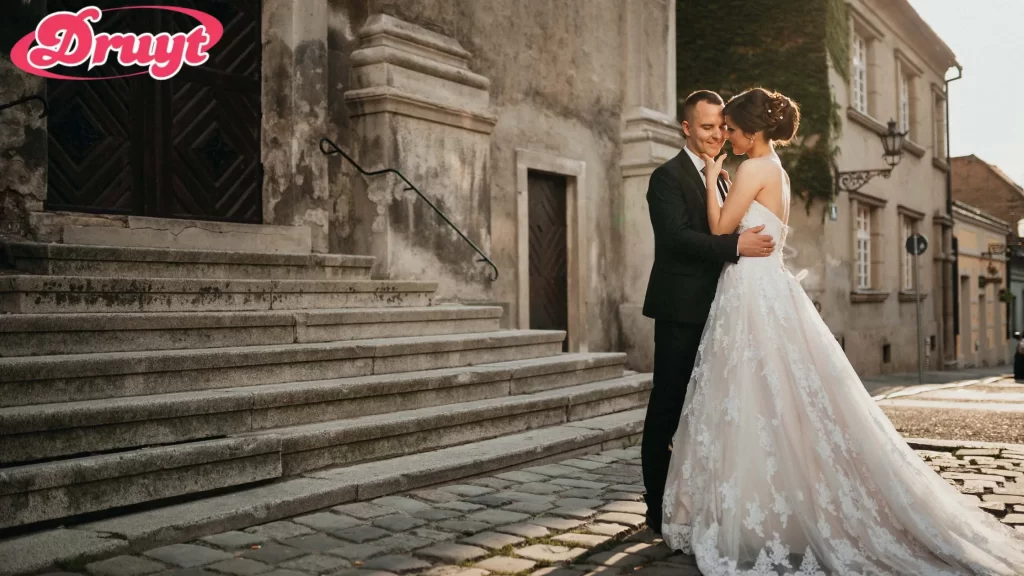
(762, 451)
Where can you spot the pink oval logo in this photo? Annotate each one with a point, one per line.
(68, 39)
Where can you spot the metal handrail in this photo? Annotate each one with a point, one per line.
(334, 149)
(46, 109)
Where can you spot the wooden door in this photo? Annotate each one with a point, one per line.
(549, 305)
(188, 147)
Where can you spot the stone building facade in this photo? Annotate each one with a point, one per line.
(983, 337)
(983, 185)
(532, 126)
(853, 260)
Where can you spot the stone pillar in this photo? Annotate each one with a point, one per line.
(295, 184)
(650, 136)
(415, 106)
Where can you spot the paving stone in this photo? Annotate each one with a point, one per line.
(402, 543)
(327, 522)
(529, 507)
(1002, 472)
(588, 476)
(551, 470)
(313, 542)
(435, 496)
(556, 523)
(398, 564)
(490, 500)
(627, 507)
(1014, 490)
(659, 569)
(495, 483)
(357, 552)
(364, 510)
(361, 572)
(316, 563)
(525, 497)
(556, 571)
(282, 530)
(542, 488)
(603, 458)
(635, 488)
(629, 496)
(187, 555)
(463, 526)
(619, 560)
(360, 534)
(524, 530)
(579, 503)
(435, 514)
(505, 564)
(466, 490)
(492, 540)
(235, 540)
(124, 566)
(277, 572)
(449, 570)
(550, 553)
(522, 476)
(634, 520)
(435, 535)
(587, 493)
(581, 513)
(1013, 519)
(575, 483)
(964, 452)
(583, 464)
(273, 553)
(398, 522)
(460, 506)
(240, 567)
(654, 551)
(992, 506)
(606, 529)
(497, 517)
(402, 504)
(588, 540)
(454, 553)
(970, 476)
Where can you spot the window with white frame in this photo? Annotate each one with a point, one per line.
(908, 226)
(859, 98)
(863, 247)
(904, 91)
(939, 113)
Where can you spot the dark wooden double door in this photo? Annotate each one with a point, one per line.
(549, 304)
(187, 147)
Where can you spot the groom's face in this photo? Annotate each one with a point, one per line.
(703, 131)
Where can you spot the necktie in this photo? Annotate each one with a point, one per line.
(723, 188)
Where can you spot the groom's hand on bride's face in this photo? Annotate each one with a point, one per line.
(753, 244)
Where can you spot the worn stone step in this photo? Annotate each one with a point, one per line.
(32, 294)
(60, 489)
(325, 444)
(47, 334)
(69, 378)
(44, 431)
(82, 543)
(119, 261)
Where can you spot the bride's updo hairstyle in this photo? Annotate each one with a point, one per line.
(758, 110)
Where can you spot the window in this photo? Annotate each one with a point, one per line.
(908, 226)
(939, 111)
(859, 70)
(904, 91)
(863, 248)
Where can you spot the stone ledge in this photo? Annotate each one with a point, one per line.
(911, 296)
(862, 297)
(387, 100)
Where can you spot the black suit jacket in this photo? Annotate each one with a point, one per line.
(687, 257)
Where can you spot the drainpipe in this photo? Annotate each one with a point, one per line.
(950, 303)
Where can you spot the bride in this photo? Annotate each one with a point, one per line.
(782, 463)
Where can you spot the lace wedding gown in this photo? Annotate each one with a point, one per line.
(782, 463)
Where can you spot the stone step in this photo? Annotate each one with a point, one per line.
(183, 522)
(77, 377)
(52, 490)
(118, 261)
(45, 431)
(46, 334)
(325, 444)
(32, 294)
(47, 491)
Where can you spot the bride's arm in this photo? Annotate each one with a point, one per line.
(726, 218)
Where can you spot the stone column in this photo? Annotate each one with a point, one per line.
(295, 184)
(415, 106)
(650, 136)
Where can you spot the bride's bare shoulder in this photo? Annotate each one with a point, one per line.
(756, 167)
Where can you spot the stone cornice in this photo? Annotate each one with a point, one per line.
(386, 100)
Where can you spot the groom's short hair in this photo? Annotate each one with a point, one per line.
(690, 104)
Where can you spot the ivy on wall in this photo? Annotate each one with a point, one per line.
(783, 45)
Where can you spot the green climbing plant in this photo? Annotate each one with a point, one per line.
(783, 45)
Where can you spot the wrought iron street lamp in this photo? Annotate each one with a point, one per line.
(892, 145)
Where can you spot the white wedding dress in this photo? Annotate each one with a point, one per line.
(782, 463)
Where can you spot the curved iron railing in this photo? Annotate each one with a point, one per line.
(335, 149)
(40, 99)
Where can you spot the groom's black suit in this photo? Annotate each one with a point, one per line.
(687, 262)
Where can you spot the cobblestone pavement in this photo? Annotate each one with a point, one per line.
(581, 516)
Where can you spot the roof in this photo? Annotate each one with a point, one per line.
(936, 48)
(981, 217)
(993, 168)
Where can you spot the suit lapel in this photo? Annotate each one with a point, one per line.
(693, 176)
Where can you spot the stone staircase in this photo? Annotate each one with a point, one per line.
(159, 376)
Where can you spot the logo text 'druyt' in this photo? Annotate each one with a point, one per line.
(67, 39)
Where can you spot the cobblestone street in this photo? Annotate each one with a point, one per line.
(581, 516)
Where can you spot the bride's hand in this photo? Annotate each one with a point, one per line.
(713, 167)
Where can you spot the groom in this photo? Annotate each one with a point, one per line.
(687, 262)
